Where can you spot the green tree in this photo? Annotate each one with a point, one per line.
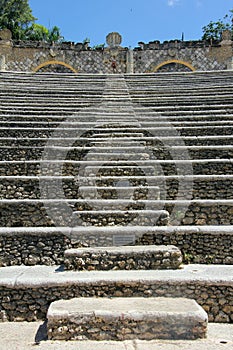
(16, 15)
(36, 32)
(55, 34)
(214, 30)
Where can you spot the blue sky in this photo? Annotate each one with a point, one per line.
(135, 20)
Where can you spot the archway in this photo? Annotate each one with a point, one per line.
(55, 66)
(174, 66)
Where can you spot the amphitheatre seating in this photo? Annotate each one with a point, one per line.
(89, 162)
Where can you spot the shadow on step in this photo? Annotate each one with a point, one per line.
(41, 334)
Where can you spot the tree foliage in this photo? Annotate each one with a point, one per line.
(213, 30)
(16, 15)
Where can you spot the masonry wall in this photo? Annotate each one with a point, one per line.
(30, 304)
(151, 57)
(42, 247)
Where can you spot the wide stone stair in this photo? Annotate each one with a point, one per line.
(108, 184)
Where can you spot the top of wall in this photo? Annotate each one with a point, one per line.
(113, 41)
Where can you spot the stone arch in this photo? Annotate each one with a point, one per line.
(58, 63)
(183, 63)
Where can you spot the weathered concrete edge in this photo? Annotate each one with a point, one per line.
(215, 230)
(18, 277)
(123, 250)
(68, 309)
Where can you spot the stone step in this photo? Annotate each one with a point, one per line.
(72, 167)
(146, 115)
(127, 97)
(136, 132)
(126, 318)
(116, 122)
(27, 292)
(46, 245)
(147, 141)
(120, 191)
(203, 186)
(114, 152)
(73, 212)
(123, 258)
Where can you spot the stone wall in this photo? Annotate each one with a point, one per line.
(151, 57)
(206, 187)
(123, 258)
(169, 167)
(198, 245)
(31, 303)
(79, 153)
(35, 213)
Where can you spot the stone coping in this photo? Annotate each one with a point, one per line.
(117, 162)
(72, 177)
(127, 129)
(213, 230)
(16, 277)
(122, 250)
(97, 150)
(137, 308)
(159, 203)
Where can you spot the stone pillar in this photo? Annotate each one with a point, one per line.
(2, 63)
(130, 62)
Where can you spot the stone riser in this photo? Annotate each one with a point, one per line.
(169, 168)
(33, 213)
(26, 292)
(123, 258)
(46, 246)
(206, 188)
(46, 132)
(146, 141)
(75, 122)
(142, 116)
(56, 153)
(36, 100)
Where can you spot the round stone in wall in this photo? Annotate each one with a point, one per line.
(5, 34)
(113, 39)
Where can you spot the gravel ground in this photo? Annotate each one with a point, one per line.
(30, 336)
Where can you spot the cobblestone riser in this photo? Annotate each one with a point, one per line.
(46, 246)
(123, 258)
(202, 188)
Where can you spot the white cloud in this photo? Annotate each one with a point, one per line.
(172, 3)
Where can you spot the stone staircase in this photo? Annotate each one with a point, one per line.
(101, 173)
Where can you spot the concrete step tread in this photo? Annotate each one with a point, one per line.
(137, 308)
(117, 162)
(97, 149)
(214, 230)
(38, 276)
(124, 129)
(159, 178)
(160, 203)
(122, 250)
